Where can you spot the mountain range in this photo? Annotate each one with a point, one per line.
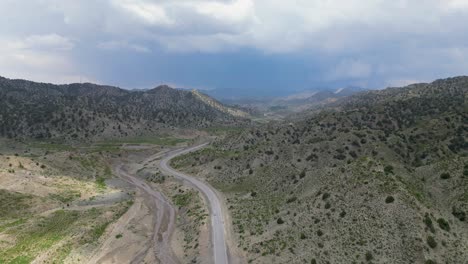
(89, 111)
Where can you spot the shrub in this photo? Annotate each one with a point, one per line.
(458, 213)
(445, 176)
(325, 196)
(319, 233)
(389, 199)
(292, 199)
(303, 236)
(443, 224)
(430, 261)
(369, 256)
(327, 205)
(388, 169)
(280, 221)
(431, 242)
(428, 222)
(303, 174)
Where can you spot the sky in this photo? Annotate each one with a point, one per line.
(234, 48)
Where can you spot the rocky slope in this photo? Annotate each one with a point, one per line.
(382, 178)
(87, 111)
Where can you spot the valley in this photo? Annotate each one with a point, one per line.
(371, 177)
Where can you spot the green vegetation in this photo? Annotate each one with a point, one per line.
(101, 183)
(182, 200)
(162, 141)
(14, 205)
(428, 222)
(431, 242)
(37, 235)
(40, 237)
(443, 224)
(389, 199)
(51, 146)
(445, 176)
(65, 196)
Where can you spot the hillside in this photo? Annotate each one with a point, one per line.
(382, 178)
(86, 111)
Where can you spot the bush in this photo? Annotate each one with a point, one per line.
(325, 196)
(280, 221)
(431, 242)
(458, 213)
(430, 261)
(303, 236)
(388, 169)
(389, 199)
(428, 222)
(369, 256)
(319, 233)
(303, 174)
(443, 224)
(445, 176)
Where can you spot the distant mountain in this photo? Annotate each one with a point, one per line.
(280, 107)
(380, 177)
(87, 111)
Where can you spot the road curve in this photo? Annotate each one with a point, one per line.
(217, 218)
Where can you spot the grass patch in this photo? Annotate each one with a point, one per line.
(44, 234)
(73, 228)
(101, 183)
(182, 200)
(52, 146)
(13, 204)
(163, 141)
(65, 196)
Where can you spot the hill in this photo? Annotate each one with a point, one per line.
(382, 177)
(89, 111)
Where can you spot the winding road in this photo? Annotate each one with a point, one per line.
(217, 218)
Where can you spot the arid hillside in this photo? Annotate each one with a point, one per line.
(380, 178)
(88, 111)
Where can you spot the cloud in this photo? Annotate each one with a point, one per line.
(148, 12)
(38, 57)
(334, 41)
(45, 42)
(122, 45)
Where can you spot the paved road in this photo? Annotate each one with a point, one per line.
(217, 217)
